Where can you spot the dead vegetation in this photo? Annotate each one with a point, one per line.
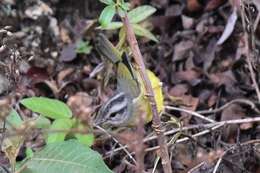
(207, 58)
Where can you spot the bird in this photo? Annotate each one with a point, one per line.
(129, 103)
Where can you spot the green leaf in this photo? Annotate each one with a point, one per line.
(66, 157)
(112, 26)
(29, 153)
(140, 31)
(140, 13)
(108, 2)
(42, 122)
(125, 6)
(51, 108)
(107, 15)
(14, 119)
(83, 47)
(59, 124)
(86, 140)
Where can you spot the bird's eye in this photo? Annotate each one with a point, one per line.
(113, 115)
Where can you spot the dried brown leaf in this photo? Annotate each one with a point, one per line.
(68, 53)
(193, 5)
(229, 28)
(81, 106)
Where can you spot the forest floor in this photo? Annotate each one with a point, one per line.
(207, 61)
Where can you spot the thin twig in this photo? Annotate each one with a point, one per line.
(211, 126)
(221, 157)
(240, 101)
(155, 164)
(232, 148)
(187, 138)
(190, 112)
(125, 150)
(149, 93)
(196, 167)
(217, 165)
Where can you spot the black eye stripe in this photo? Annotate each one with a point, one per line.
(120, 117)
(117, 107)
(114, 100)
(113, 107)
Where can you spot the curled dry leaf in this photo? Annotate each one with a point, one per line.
(81, 106)
(68, 53)
(63, 74)
(229, 28)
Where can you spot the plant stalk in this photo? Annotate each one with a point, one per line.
(149, 93)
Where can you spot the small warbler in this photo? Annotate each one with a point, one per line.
(129, 103)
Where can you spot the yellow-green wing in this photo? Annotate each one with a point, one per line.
(107, 49)
(126, 75)
(126, 78)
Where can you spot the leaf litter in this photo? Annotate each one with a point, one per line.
(200, 58)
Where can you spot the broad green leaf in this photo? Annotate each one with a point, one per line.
(59, 124)
(107, 15)
(112, 26)
(14, 119)
(51, 108)
(66, 157)
(42, 122)
(85, 139)
(140, 31)
(140, 13)
(108, 2)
